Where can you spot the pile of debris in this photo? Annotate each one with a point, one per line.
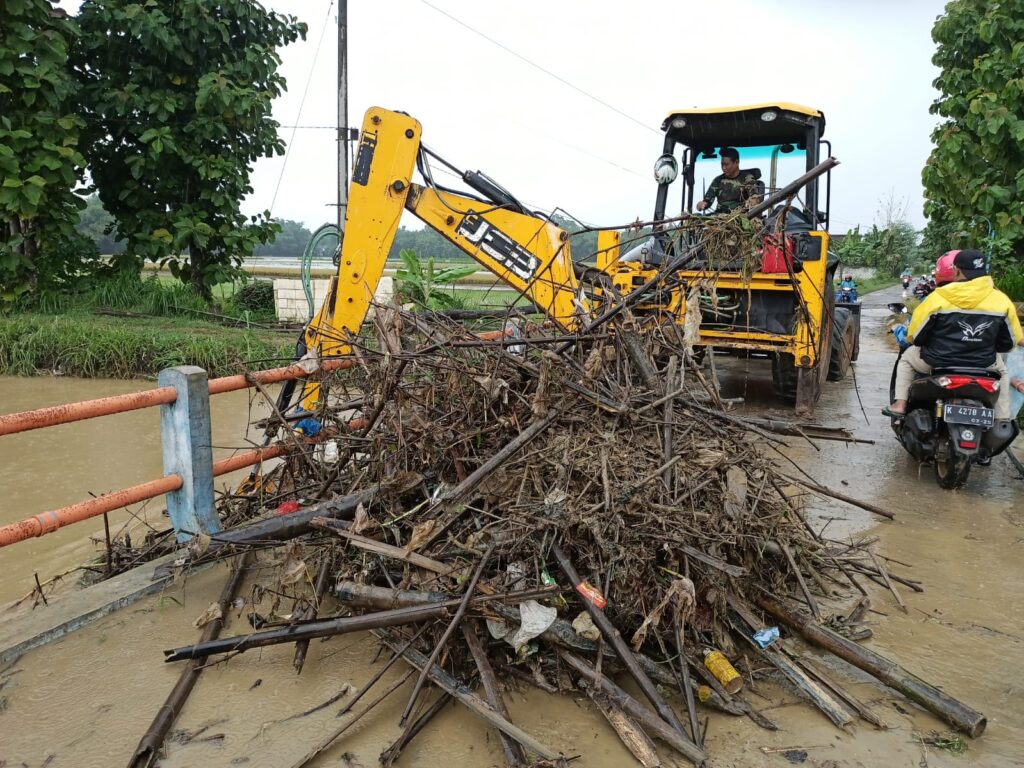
(526, 505)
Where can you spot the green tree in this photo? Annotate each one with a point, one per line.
(289, 241)
(40, 163)
(96, 224)
(177, 98)
(975, 174)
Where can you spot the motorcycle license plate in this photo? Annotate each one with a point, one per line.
(968, 414)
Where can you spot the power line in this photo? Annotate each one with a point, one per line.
(302, 102)
(547, 72)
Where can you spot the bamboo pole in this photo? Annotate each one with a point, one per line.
(612, 635)
(308, 631)
(943, 706)
(148, 750)
(635, 709)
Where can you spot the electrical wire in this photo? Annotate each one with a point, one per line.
(302, 103)
(547, 72)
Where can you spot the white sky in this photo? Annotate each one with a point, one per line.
(866, 64)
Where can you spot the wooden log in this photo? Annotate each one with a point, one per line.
(514, 755)
(630, 734)
(148, 750)
(384, 598)
(647, 719)
(832, 494)
(622, 650)
(308, 631)
(940, 704)
(458, 690)
(338, 527)
(452, 625)
(319, 590)
(389, 755)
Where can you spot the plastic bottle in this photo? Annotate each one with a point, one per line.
(723, 671)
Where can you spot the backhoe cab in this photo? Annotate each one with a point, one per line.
(778, 301)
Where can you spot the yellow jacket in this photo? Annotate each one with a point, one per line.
(965, 324)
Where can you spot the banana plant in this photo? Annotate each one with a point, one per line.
(421, 283)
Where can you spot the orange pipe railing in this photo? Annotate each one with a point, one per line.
(87, 409)
(24, 421)
(48, 522)
(275, 375)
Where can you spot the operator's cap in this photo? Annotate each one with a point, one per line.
(971, 263)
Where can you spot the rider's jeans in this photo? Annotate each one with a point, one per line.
(911, 364)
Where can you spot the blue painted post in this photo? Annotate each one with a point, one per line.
(188, 452)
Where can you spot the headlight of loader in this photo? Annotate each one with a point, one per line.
(666, 169)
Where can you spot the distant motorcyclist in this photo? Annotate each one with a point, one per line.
(963, 323)
(848, 288)
(905, 277)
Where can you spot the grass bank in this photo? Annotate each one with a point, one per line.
(89, 345)
(875, 283)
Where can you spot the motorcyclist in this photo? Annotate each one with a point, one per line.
(848, 286)
(963, 323)
(945, 272)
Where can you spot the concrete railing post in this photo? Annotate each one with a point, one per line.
(188, 451)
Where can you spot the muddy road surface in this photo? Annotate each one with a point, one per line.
(84, 701)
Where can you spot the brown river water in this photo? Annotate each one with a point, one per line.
(85, 700)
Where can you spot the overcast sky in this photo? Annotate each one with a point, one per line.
(866, 65)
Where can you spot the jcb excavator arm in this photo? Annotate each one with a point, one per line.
(529, 253)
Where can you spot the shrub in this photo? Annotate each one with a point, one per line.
(256, 297)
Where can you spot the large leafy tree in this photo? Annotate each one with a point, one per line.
(40, 163)
(177, 98)
(975, 174)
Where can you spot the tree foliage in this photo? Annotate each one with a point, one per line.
(177, 98)
(40, 163)
(889, 246)
(289, 241)
(96, 224)
(975, 174)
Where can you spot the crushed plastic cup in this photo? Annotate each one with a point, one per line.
(766, 637)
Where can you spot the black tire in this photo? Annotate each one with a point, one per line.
(844, 335)
(784, 377)
(953, 472)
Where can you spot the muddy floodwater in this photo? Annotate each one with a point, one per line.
(85, 700)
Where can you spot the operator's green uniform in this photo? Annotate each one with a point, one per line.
(731, 193)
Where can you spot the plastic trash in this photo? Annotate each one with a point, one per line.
(534, 620)
(583, 626)
(766, 637)
(900, 332)
(308, 427)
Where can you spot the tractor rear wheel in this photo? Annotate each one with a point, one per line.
(844, 339)
(784, 377)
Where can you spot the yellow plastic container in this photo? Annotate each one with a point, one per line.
(723, 671)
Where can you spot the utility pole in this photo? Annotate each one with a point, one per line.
(343, 131)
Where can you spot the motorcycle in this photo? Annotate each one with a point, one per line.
(950, 422)
(846, 295)
(923, 287)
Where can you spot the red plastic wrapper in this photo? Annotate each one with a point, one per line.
(591, 593)
(287, 507)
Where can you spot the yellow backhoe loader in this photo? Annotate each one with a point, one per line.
(777, 303)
